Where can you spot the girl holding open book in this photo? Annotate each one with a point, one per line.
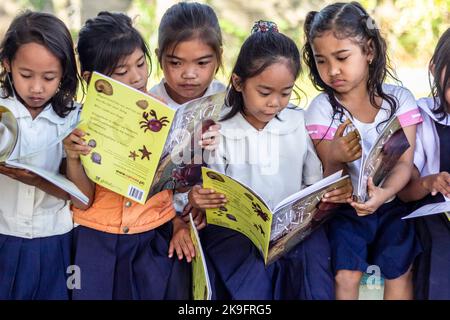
(38, 82)
(190, 55)
(123, 248)
(347, 60)
(431, 179)
(265, 145)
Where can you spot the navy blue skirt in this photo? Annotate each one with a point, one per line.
(129, 267)
(432, 268)
(237, 269)
(35, 269)
(381, 239)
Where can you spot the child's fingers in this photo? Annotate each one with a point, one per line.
(354, 145)
(340, 130)
(191, 248)
(352, 137)
(202, 224)
(77, 139)
(179, 250)
(171, 249)
(204, 191)
(184, 250)
(210, 135)
(78, 132)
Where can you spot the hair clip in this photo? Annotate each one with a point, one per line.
(264, 26)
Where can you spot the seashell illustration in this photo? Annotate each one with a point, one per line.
(143, 104)
(92, 143)
(104, 87)
(96, 158)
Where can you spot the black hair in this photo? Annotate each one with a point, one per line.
(350, 20)
(259, 51)
(186, 21)
(441, 83)
(49, 31)
(105, 40)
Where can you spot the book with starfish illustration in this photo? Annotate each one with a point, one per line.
(11, 154)
(140, 146)
(274, 232)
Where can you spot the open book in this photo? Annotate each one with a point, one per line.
(430, 209)
(132, 135)
(274, 232)
(9, 140)
(201, 286)
(382, 157)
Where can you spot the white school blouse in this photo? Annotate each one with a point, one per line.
(321, 125)
(276, 161)
(181, 199)
(427, 155)
(27, 211)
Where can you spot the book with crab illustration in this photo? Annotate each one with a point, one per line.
(273, 231)
(141, 146)
(127, 130)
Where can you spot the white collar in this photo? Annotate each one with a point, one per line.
(20, 111)
(215, 87)
(238, 127)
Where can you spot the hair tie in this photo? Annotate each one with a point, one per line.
(264, 26)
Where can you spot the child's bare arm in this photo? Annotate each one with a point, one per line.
(75, 145)
(419, 187)
(35, 180)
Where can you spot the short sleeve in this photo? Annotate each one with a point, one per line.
(408, 112)
(312, 167)
(319, 119)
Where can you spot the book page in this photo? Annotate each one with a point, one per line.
(430, 209)
(382, 158)
(57, 179)
(244, 212)
(127, 130)
(9, 133)
(293, 222)
(201, 286)
(182, 159)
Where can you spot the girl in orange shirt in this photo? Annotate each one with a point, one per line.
(123, 249)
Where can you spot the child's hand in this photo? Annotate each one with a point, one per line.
(22, 175)
(181, 241)
(377, 197)
(347, 148)
(211, 138)
(198, 215)
(75, 145)
(201, 198)
(341, 195)
(437, 183)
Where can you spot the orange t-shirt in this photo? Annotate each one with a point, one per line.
(114, 213)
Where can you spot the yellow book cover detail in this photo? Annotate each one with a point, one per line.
(244, 212)
(201, 286)
(127, 130)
